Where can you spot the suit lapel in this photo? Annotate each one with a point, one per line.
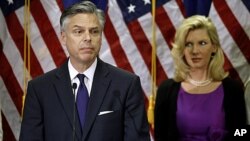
(63, 87)
(98, 92)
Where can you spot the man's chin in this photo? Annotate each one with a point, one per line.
(88, 60)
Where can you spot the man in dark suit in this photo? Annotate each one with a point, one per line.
(1, 129)
(115, 108)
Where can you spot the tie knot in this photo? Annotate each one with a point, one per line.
(81, 77)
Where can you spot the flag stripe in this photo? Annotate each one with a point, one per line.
(165, 25)
(162, 48)
(54, 18)
(145, 48)
(181, 7)
(126, 44)
(47, 32)
(247, 4)
(60, 4)
(138, 36)
(37, 45)
(129, 47)
(17, 35)
(7, 132)
(174, 13)
(8, 106)
(11, 51)
(117, 51)
(229, 67)
(10, 81)
(233, 27)
(233, 53)
(105, 52)
(241, 13)
(115, 46)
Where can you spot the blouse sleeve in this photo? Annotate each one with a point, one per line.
(247, 100)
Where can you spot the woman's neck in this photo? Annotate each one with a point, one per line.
(198, 75)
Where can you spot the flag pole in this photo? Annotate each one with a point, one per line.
(153, 70)
(26, 50)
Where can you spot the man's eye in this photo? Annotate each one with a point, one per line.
(77, 32)
(95, 31)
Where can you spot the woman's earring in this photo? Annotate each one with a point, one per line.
(213, 54)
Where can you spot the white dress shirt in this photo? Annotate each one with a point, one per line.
(88, 80)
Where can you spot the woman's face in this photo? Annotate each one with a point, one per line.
(198, 49)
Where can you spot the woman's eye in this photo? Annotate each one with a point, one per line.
(203, 43)
(188, 45)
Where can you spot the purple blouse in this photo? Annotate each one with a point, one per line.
(201, 117)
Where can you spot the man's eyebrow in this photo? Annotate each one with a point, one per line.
(77, 26)
(94, 27)
(81, 27)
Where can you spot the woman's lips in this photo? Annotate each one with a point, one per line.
(196, 59)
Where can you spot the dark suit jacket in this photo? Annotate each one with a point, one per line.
(166, 106)
(49, 106)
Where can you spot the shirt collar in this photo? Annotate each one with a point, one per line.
(89, 73)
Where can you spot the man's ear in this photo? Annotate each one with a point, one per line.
(63, 37)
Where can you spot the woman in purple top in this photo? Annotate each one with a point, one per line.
(201, 103)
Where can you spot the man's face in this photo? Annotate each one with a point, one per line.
(82, 36)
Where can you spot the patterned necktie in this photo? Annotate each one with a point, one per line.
(82, 99)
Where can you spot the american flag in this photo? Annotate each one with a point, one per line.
(127, 42)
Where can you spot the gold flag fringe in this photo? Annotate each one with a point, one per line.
(26, 50)
(150, 112)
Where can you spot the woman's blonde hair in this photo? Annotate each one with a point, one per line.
(215, 69)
